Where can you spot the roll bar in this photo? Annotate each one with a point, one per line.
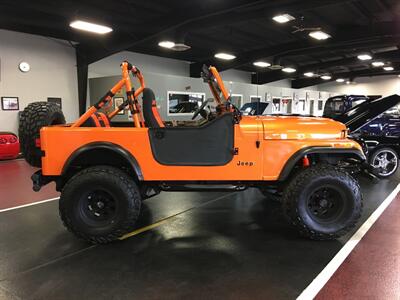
(131, 97)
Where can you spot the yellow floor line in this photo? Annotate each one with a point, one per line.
(165, 220)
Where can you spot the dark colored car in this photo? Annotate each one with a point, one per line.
(373, 123)
(386, 124)
(254, 108)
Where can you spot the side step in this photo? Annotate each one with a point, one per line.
(202, 188)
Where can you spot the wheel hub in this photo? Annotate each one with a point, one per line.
(100, 205)
(323, 204)
(386, 162)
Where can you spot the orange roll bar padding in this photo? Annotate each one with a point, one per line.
(220, 82)
(131, 97)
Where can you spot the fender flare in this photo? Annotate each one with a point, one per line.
(316, 150)
(117, 149)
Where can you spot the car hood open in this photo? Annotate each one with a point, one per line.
(364, 113)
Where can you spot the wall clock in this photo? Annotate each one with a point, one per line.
(24, 67)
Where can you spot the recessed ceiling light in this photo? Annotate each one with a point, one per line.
(388, 68)
(319, 35)
(340, 80)
(166, 44)
(283, 18)
(364, 57)
(326, 77)
(289, 70)
(261, 64)
(96, 28)
(309, 74)
(378, 64)
(225, 56)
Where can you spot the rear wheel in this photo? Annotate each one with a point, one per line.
(35, 116)
(100, 204)
(385, 162)
(323, 202)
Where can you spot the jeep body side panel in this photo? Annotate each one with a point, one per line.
(59, 143)
(259, 153)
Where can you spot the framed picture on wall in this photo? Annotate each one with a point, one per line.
(9, 103)
(117, 102)
(57, 101)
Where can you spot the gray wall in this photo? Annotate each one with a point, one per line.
(161, 84)
(52, 74)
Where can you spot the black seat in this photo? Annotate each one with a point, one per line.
(150, 112)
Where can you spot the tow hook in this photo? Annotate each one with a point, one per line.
(38, 180)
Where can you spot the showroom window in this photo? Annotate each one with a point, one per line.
(184, 103)
(236, 99)
(276, 105)
(255, 98)
(302, 106)
(320, 105)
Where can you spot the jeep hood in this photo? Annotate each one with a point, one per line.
(364, 113)
(294, 128)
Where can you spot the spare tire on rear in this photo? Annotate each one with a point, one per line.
(35, 116)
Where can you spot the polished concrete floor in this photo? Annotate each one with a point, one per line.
(223, 246)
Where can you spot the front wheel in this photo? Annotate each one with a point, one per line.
(100, 204)
(323, 202)
(384, 161)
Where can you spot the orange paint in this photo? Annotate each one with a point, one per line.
(264, 143)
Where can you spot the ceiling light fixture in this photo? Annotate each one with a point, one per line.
(289, 70)
(166, 44)
(340, 80)
(309, 74)
(225, 56)
(261, 64)
(364, 57)
(326, 77)
(388, 68)
(283, 18)
(319, 35)
(91, 27)
(378, 64)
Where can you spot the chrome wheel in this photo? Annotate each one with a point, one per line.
(385, 161)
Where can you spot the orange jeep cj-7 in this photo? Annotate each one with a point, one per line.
(105, 170)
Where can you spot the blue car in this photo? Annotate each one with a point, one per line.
(374, 122)
(387, 124)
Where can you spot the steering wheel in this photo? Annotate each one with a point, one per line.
(197, 112)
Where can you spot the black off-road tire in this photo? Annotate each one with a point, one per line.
(111, 186)
(35, 116)
(306, 191)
